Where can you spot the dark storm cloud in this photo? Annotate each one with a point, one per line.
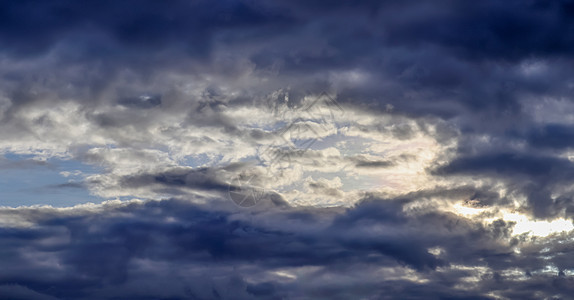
(441, 58)
(102, 39)
(489, 29)
(121, 251)
(533, 175)
(429, 54)
(552, 136)
(512, 164)
(32, 27)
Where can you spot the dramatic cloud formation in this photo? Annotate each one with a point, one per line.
(286, 149)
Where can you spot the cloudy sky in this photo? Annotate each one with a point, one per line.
(194, 149)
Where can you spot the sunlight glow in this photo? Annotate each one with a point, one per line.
(537, 228)
(524, 224)
(467, 211)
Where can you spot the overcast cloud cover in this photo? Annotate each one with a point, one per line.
(286, 149)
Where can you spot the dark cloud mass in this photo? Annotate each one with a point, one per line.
(177, 250)
(393, 149)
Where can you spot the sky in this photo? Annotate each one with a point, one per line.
(250, 149)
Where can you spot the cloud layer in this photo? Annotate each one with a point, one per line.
(383, 248)
(286, 149)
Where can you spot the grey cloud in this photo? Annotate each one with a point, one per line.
(360, 163)
(533, 175)
(204, 178)
(108, 253)
(14, 291)
(112, 83)
(552, 136)
(144, 101)
(7, 164)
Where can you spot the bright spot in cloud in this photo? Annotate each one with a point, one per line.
(523, 223)
(466, 211)
(285, 274)
(537, 228)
